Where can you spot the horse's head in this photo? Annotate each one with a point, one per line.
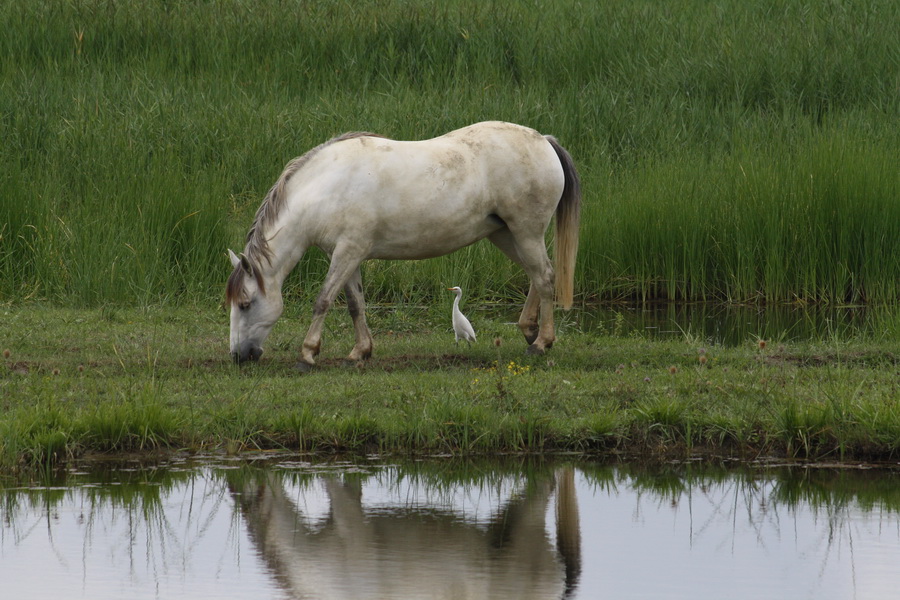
(254, 309)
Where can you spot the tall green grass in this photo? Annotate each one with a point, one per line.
(736, 150)
(816, 222)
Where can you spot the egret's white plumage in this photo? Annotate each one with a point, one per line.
(461, 326)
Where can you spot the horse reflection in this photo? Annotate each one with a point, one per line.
(414, 551)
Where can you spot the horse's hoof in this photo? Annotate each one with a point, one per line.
(304, 367)
(534, 350)
(530, 337)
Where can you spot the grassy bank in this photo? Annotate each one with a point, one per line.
(736, 150)
(117, 380)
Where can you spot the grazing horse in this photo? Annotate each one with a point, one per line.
(361, 196)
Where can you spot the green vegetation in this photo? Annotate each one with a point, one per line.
(735, 151)
(732, 150)
(121, 380)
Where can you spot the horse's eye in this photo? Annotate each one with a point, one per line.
(244, 305)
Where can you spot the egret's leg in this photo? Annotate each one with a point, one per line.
(356, 305)
(343, 264)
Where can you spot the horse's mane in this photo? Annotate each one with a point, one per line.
(257, 243)
(257, 247)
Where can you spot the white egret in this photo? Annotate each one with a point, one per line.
(461, 326)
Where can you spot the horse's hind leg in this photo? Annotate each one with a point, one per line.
(536, 319)
(343, 265)
(356, 305)
(528, 318)
(537, 265)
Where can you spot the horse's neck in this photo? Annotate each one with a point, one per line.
(287, 249)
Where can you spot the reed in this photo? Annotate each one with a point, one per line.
(792, 224)
(742, 150)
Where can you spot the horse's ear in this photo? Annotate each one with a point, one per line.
(235, 261)
(240, 260)
(245, 264)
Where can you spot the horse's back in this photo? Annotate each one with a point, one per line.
(417, 199)
(489, 159)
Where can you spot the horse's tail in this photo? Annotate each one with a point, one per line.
(568, 217)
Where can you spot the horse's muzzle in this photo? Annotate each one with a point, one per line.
(251, 353)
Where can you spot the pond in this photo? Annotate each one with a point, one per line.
(281, 526)
(733, 324)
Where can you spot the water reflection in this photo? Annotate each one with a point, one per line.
(280, 527)
(411, 539)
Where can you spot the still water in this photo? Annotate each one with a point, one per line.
(725, 324)
(734, 324)
(280, 526)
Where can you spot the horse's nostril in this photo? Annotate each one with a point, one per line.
(247, 354)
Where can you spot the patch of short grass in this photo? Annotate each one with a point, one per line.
(159, 378)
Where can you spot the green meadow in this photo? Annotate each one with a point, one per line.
(79, 382)
(731, 151)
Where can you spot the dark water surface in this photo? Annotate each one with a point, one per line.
(281, 526)
(734, 324)
(726, 324)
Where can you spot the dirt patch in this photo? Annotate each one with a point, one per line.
(414, 362)
(21, 367)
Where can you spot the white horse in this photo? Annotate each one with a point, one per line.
(361, 196)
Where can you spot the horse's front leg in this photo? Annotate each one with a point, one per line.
(343, 265)
(356, 305)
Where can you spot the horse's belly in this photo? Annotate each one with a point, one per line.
(436, 239)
